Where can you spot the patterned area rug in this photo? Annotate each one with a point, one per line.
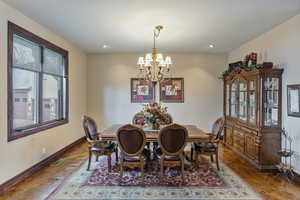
(201, 182)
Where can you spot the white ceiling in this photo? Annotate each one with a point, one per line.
(190, 25)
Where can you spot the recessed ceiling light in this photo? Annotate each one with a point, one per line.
(211, 46)
(105, 46)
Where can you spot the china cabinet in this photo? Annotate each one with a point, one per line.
(252, 110)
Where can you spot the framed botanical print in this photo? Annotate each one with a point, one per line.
(142, 91)
(293, 98)
(172, 90)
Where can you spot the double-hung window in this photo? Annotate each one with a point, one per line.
(37, 83)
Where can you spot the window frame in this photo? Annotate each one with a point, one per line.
(14, 134)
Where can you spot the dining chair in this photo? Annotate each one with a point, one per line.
(95, 145)
(139, 117)
(210, 148)
(131, 141)
(172, 140)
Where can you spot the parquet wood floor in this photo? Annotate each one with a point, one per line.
(39, 185)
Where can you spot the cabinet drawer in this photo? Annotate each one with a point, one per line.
(239, 140)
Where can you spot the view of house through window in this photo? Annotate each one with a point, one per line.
(25, 85)
(38, 82)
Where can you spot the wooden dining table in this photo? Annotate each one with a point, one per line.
(195, 134)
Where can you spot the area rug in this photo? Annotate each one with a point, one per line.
(202, 182)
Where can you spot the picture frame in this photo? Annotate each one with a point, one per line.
(293, 100)
(172, 90)
(141, 91)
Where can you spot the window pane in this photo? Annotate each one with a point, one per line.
(64, 99)
(53, 62)
(26, 54)
(25, 104)
(51, 97)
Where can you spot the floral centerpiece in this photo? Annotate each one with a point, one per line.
(154, 114)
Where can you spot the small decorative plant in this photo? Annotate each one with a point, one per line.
(154, 114)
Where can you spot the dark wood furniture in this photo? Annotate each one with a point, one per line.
(131, 141)
(252, 110)
(138, 119)
(210, 148)
(195, 134)
(172, 140)
(95, 144)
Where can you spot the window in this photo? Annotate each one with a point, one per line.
(37, 83)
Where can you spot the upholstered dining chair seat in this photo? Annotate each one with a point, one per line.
(159, 153)
(108, 146)
(145, 154)
(204, 147)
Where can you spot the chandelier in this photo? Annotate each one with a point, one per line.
(153, 67)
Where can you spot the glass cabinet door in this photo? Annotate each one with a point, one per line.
(242, 100)
(227, 99)
(252, 101)
(233, 99)
(271, 92)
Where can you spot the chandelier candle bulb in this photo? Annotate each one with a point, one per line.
(141, 61)
(148, 57)
(168, 60)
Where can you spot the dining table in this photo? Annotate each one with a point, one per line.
(195, 134)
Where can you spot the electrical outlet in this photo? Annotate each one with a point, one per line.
(44, 150)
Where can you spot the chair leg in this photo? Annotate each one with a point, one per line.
(89, 162)
(182, 168)
(121, 169)
(97, 157)
(217, 160)
(142, 173)
(109, 162)
(192, 153)
(197, 158)
(162, 167)
(117, 155)
(211, 158)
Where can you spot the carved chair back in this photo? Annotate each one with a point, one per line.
(90, 128)
(217, 128)
(172, 139)
(131, 140)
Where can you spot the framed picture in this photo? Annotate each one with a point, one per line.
(172, 90)
(142, 91)
(293, 99)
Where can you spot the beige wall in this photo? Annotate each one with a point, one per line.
(18, 155)
(109, 88)
(281, 46)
